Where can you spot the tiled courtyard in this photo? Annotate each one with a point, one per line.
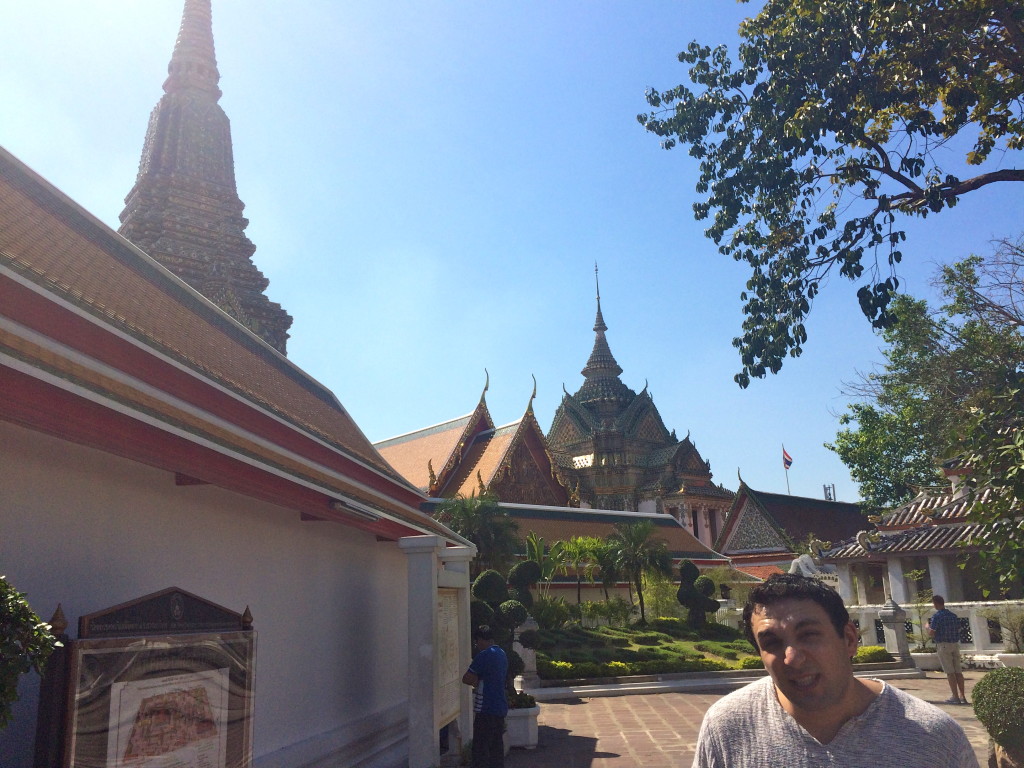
(660, 730)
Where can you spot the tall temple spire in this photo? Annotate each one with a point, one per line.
(602, 371)
(194, 63)
(184, 209)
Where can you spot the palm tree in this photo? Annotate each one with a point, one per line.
(609, 571)
(636, 553)
(549, 559)
(580, 554)
(481, 520)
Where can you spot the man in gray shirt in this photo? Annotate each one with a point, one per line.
(811, 710)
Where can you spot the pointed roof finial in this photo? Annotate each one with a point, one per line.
(194, 63)
(487, 380)
(599, 322)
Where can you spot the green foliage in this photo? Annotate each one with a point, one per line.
(820, 138)
(480, 613)
(525, 573)
(660, 596)
(550, 612)
(871, 654)
(521, 701)
(579, 557)
(636, 551)
(578, 652)
(549, 560)
(751, 662)
(887, 451)
(522, 595)
(953, 375)
(25, 644)
(491, 587)
(481, 520)
(695, 598)
(999, 705)
(511, 613)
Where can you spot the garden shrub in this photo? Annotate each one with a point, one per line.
(999, 705)
(752, 662)
(650, 638)
(871, 654)
(25, 644)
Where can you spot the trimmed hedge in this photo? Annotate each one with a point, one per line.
(870, 654)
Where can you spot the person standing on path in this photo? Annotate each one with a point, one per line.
(810, 710)
(487, 674)
(944, 628)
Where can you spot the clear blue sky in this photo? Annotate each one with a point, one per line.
(429, 185)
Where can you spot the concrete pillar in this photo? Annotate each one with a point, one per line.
(897, 584)
(979, 630)
(422, 571)
(939, 576)
(845, 583)
(456, 562)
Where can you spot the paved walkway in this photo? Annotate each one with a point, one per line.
(660, 730)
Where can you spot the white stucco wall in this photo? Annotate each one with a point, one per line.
(91, 530)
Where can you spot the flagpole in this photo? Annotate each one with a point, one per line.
(786, 468)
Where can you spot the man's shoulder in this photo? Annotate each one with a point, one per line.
(742, 701)
(915, 709)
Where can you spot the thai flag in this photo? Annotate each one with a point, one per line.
(787, 460)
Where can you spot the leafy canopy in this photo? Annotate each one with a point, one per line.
(485, 523)
(951, 388)
(636, 551)
(834, 123)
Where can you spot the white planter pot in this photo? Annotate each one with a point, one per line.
(926, 661)
(521, 727)
(1011, 659)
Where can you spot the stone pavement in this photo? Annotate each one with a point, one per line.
(660, 730)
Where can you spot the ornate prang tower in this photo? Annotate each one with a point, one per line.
(614, 448)
(184, 210)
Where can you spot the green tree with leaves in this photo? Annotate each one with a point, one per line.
(579, 556)
(955, 376)
(833, 124)
(548, 559)
(25, 644)
(485, 523)
(638, 551)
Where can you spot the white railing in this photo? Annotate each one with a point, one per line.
(978, 633)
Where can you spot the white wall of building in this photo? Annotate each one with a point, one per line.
(329, 603)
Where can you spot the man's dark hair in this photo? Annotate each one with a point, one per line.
(792, 586)
(483, 632)
(938, 600)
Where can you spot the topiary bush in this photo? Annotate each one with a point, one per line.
(871, 654)
(695, 594)
(492, 598)
(752, 662)
(25, 644)
(999, 705)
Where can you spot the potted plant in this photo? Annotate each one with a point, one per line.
(999, 706)
(503, 604)
(25, 644)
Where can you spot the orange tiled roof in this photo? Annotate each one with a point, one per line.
(758, 571)
(410, 454)
(484, 459)
(58, 246)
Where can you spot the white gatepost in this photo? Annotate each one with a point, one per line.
(439, 633)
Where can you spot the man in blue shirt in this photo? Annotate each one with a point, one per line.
(487, 674)
(944, 627)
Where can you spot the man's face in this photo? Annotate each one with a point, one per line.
(807, 660)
